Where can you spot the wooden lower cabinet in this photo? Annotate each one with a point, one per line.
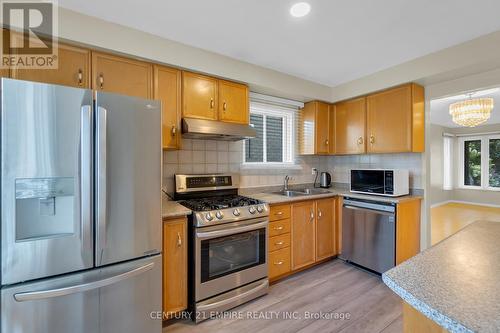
(279, 263)
(416, 322)
(305, 236)
(325, 228)
(407, 229)
(175, 277)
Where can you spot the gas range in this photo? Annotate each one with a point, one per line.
(228, 243)
(214, 200)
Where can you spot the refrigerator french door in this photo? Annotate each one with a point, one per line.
(80, 195)
(46, 180)
(128, 178)
(117, 298)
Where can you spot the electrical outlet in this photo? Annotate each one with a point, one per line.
(314, 171)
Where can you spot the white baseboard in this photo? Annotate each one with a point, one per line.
(464, 202)
(441, 203)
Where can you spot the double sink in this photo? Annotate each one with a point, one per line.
(300, 193)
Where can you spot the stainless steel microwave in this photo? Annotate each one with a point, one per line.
(388, 182)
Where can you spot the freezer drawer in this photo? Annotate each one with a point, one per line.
(128, 178)
(117, 298)
(369, 235)
(46, 180)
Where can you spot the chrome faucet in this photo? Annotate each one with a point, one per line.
(285, 185)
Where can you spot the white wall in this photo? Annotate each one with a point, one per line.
(436, 193)
(475, 56)
(93, 32)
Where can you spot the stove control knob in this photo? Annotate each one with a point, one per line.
(251, 210)
(260, 209)
(219, 215)
(209, 216)
(236, 212)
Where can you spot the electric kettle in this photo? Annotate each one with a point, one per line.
(325, 180)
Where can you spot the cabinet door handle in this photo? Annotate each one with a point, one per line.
(312, 215)
(278, 213)
(174, 130)
(360, 140)
(278, 228)
(224, 106)
(279, 243)
(211, 103)
(101, 81)
(327, 142)
(179, 240)
(80, 77)
(319, 213)
(372, 139)
(279, 263)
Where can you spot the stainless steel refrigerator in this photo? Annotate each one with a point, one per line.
(80, 210)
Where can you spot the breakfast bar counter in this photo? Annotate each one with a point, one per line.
(456, 282)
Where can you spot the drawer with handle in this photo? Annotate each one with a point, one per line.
(279, 242)
(279, 262)
(279, 212)
(279, 227)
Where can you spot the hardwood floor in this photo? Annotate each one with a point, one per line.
(333, 287)
(451, 217)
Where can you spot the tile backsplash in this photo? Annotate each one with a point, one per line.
(207, 156)
(340, 166)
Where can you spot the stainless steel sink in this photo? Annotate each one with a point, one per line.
(304, 192)
(312, 191)
(290, 193)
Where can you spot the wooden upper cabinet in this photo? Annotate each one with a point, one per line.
(199, 96)
(322, 128)
(314, 131)
(120, 75)
(167, 89)
(350, 126)
(73, 67)
(233, 102)
(175, 263)
(331, 130)
(325, 228)
(395, 120)
(303, 234)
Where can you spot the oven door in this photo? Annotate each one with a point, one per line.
(229, 256)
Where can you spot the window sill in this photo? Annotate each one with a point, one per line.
(275, 166)
(479, 188)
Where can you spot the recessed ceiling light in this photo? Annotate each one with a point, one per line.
(300, 9)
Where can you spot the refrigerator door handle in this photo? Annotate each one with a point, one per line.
(79, 288)
(101, 178)
(86, 176)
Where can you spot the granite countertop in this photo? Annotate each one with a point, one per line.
(170, 209)
(271, 198)
(456, 282)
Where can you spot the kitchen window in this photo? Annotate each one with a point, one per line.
(274, 144)
(480, 162)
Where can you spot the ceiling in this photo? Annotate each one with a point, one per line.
(440, 108)
(339, 41)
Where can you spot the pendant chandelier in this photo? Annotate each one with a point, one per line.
(471, 112)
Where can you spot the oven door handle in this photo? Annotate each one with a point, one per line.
(231, 231)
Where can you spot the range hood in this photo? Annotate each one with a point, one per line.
(215, 130)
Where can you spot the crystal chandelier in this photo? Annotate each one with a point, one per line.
(471, 112)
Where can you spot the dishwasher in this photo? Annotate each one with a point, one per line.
(369, 234)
